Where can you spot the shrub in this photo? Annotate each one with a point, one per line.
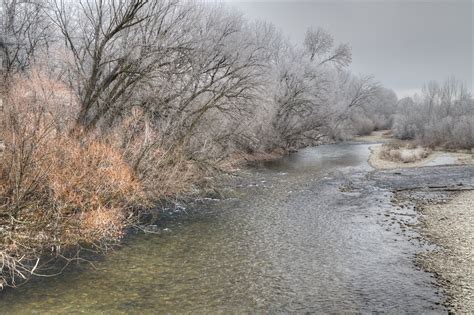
(164, 169)
(463, 132)
(403, 153)
(57, 193)
(363, 126)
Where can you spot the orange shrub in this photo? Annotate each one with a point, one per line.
(56, 191)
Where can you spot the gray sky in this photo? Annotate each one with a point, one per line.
(402, 43)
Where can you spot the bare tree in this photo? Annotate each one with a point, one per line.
(109, 50)
(352, 94)
(305, 81)
(27, 30)
(319, 44)
(219, 71)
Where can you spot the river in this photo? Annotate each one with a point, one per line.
(293, 238)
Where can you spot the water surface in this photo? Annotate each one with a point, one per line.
(290, 241)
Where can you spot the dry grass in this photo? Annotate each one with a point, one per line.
(376, 136)
(164, 169)
(63, 193)
(404, 153)
(57, 192)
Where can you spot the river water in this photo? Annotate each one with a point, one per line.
(290, 240)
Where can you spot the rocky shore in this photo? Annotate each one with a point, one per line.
(446, 205)
(450, 225)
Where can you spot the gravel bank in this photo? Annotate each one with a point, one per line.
(447, 219)
(450, 225)
(444, 196)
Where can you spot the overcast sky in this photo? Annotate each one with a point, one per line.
(402, 43)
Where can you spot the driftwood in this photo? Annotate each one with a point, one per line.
(436, 188)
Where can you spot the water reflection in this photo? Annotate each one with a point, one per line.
(322, 158)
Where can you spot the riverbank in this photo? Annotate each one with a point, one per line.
(447, 221)
(443, 198)
(450, 225)
(68, 198)
(375, 136)
(436, 157)
(440, 209)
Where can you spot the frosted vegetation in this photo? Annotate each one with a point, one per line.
(111, 106)
(442, 116)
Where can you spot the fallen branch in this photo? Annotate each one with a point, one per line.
(435, 188)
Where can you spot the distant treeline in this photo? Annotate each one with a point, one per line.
(443, 115)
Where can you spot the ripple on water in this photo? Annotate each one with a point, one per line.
(295, 243)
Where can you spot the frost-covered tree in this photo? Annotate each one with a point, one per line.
(304, 79)
(442, 116)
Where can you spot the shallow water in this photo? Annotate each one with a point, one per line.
(291, 241)
(442, 159)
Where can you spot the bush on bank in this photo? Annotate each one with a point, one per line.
(60, 192)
